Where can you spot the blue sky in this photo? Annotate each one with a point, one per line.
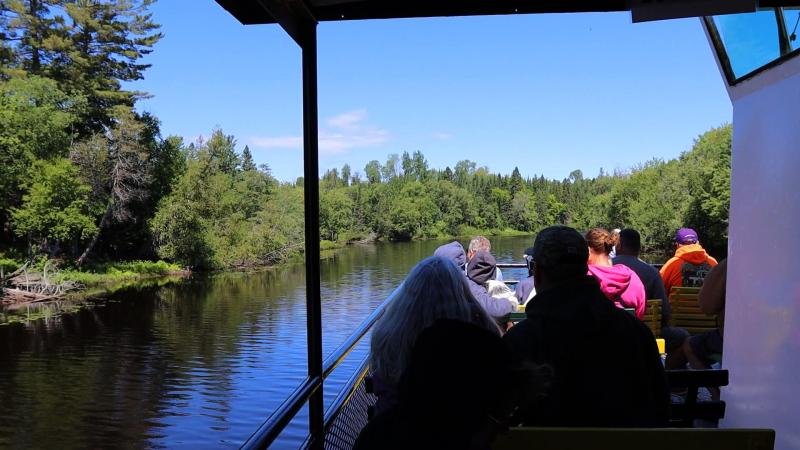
(547, 93)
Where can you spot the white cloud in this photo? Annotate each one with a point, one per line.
(346, 131)
(338, 143)
(349, 120)
(442, 136)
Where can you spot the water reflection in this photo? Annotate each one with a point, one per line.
(196, 364)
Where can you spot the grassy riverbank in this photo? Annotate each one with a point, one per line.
(95, 274)
(118, 271)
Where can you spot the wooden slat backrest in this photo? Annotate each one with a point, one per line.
(515, 317)
(652, 317)
(686, 312)
(635, 439)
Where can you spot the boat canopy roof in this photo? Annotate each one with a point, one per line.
(252, 12)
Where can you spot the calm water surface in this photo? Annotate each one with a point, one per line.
(198, 364)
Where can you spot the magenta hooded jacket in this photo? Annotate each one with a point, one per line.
(621, 285)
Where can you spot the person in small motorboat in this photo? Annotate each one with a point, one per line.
(628, 249)
(607, 371)
(434, 289)
(619, 283)
(497, 308)
(480, 243)
(690, 265)
(481, 269)
(526, 288)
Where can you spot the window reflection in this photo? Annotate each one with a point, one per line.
(791, 17)
(751, 40)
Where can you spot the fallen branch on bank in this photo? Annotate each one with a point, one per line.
(34, 287)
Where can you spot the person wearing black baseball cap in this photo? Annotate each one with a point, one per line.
(607, 369)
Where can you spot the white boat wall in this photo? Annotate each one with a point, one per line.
(762, 319)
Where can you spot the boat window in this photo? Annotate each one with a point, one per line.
(750, 42)
(791, 18)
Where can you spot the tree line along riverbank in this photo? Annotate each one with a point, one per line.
(89, 185)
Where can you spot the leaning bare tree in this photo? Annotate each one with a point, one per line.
(115, 165)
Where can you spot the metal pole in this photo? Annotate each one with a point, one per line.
(311, 196)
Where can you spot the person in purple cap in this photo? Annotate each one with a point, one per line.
(690, 265)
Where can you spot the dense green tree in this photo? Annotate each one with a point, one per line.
(35, 122)
(373, 171)
(226, 210)
(708, 171)
(412, 212)
(335, 213)
(56, 209)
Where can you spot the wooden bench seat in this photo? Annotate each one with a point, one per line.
(686, 312)
(652, 316)
(635, 439)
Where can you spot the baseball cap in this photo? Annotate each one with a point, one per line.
(686, 236)
(560, 247)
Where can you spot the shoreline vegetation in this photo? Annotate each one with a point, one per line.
(43, 281)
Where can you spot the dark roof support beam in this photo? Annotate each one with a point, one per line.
(316, 408)
(294, 16)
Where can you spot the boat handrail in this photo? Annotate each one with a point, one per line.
(347, 346)
(266, 434)
(512, 265)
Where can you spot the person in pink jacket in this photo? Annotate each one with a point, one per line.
(619, 283)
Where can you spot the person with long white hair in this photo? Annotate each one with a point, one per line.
(434, 289)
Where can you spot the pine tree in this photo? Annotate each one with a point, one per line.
(516, 181)
(247, 160)
(107, 41)
(33, 34)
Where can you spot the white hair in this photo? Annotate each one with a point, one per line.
(434, 289)
(480, 243)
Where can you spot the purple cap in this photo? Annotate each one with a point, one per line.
(686, 236)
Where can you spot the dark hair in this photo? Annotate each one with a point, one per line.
(630, 240)
(601, 240)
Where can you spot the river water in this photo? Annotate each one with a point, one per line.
(197, 364)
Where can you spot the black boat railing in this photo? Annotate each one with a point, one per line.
(269, 431)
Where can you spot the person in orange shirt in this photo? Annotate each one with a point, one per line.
(690, 265)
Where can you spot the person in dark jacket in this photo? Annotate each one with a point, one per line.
(606, 367)
(495, 307)
(630, 244)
